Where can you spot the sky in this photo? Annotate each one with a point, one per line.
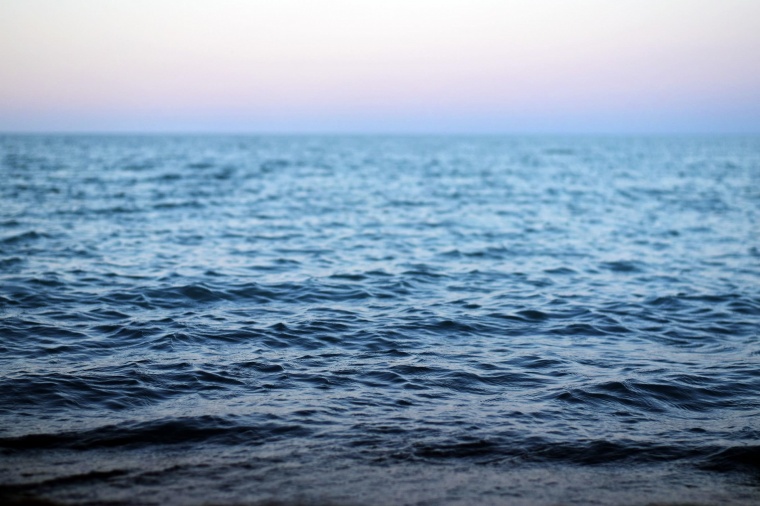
(380, 66)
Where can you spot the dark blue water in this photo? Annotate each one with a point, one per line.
(193, 320)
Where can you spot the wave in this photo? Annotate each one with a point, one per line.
(385, 444)
(206, 429)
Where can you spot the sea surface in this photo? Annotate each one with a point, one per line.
(380, 320)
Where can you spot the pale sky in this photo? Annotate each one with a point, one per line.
(386, 66)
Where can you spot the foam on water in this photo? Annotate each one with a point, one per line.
(380, 320)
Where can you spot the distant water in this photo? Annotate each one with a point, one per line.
(195, 320)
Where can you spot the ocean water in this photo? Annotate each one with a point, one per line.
(380, 320)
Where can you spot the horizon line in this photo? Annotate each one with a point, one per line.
(348, 133)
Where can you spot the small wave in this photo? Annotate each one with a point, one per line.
(200, 165)
(624, 266)
(588, 453)
(68, 480)
(30, 235)
(741, 458)
(652, 397)
(561, 271)
(9, 262)
(207, 429)
(181, 204)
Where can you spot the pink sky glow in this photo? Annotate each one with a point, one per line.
(511, 66)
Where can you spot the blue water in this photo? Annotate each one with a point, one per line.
(380, 320)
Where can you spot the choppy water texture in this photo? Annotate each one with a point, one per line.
(189, 320)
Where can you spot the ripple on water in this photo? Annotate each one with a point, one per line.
(271, 303)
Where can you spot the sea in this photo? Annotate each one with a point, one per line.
(379, 320)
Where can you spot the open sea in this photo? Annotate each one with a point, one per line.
(376, 320)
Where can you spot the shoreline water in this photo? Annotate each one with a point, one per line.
(289, 474)
(532, 486)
